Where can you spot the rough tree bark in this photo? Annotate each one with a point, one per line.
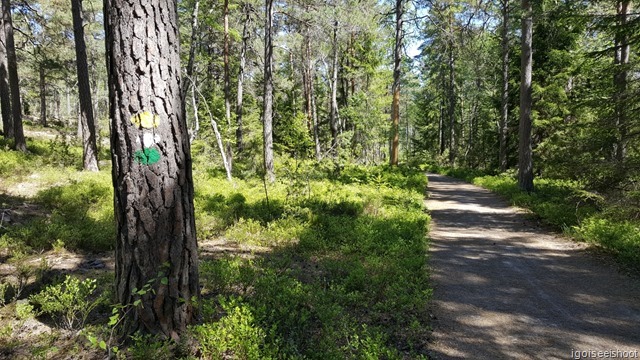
(14, 82)
(504, 105)
(395, 89)
(5, 100)
(246, 36)
(89, 148)
(156, 238)
(525, 156)
(267, 104)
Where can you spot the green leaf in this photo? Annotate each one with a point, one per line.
(92, 339)
(137, 303)
(103, 345)
(164, 281)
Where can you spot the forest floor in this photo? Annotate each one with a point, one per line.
(332, 264)
(506, 288)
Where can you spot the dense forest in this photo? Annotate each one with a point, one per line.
(448, 72)
(309, 126)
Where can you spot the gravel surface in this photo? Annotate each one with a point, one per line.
(505, 288)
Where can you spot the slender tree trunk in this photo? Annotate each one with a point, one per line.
(216, 132)
(156, 247)
(14, 81)
(5, 93)
(441, 143)
(243, 60)
(56, 101)
(192, 49)
(452, 105)
(504, 105)
(306, 77)
(227, 83)
(190, 82)
(43, 94)
(68, 97)
(525, 154)
(314, 117)
(267, 105)
(78, 121)
(395, 89)
(334, 119)
(196, 117)
(89, 148)
(621, 62)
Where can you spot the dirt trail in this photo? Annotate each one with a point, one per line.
(506, 289)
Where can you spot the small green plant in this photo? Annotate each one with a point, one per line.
(236, 334)
(24, 310)
(68, 303)
(4, 292)
(23, 273)
(58, 245)
(146, 346)
(118, 319)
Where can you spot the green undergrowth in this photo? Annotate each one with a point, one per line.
(568, 206)
(347, 277)
(51, 202)
(336, 267)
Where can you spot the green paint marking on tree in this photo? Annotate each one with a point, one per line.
(147, 156)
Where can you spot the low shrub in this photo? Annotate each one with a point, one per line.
(68, 303)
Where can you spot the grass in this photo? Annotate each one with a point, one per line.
(341, 271)
(568, 206)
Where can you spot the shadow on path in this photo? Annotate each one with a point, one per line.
(504, 289)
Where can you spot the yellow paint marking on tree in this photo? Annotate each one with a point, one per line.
(146, 120)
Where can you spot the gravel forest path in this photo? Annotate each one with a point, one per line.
(505, 288)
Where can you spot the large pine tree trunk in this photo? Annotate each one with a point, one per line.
(14, 81)
(395, 90)
(89, 148)
(525, 153)
(267, 104)
(156, 235)
(5, 100)
(504, 106)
